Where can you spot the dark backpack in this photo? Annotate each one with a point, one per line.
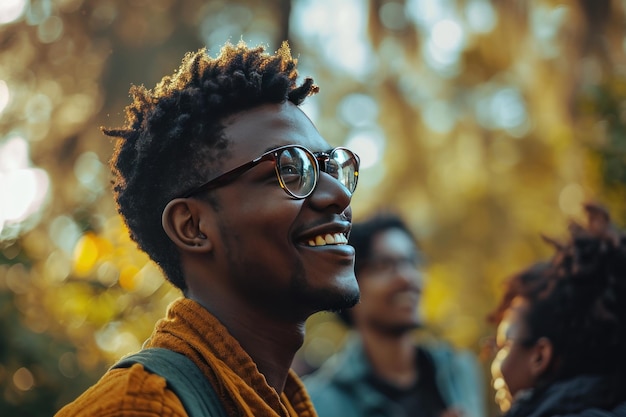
(183, 377)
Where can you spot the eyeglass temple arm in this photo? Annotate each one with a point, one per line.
(225, 178)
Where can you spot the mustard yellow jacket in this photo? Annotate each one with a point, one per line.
(191, 330)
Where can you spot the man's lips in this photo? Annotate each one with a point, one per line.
(327, 239)
(327, 234)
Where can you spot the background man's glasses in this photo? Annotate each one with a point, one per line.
(387, 265)
(297, 170)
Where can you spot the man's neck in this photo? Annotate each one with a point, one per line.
(271, 343)
(393, 356)
(271, 346)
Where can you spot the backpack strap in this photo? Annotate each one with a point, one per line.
(183, 377)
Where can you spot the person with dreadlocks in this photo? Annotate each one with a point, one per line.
(228, 186)
(561, 335)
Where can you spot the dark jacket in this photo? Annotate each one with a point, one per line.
(341, 387)
(582, 396)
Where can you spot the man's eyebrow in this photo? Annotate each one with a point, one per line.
(327, 151)
(272, 147)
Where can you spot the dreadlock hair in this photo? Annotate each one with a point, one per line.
(578, 300)
(528, 284)
(173, 136)
(361, 238)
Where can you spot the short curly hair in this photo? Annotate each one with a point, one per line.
(173, 139)
(578, 299)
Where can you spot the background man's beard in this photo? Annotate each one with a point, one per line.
(396, 329)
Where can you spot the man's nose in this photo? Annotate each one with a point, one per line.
(408, 272)
(330, 193)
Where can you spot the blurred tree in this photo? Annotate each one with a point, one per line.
(603, 129)
(499, 119)
(485, 122)
(35, 366)
(76, 294)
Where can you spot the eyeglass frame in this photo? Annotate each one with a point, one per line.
(272, 155)
(392, 264)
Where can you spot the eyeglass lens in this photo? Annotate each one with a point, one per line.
(341, 165)
(297, 169)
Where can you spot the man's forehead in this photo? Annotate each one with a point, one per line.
(393, 240)
(266, 127)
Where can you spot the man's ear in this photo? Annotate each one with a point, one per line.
(542, 357)
(183, 223)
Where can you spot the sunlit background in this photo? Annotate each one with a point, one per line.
(484, 122)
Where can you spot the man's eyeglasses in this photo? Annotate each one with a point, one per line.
(386, 265)
(297, 170)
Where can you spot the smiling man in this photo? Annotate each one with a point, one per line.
(232, 191)
(385, 370)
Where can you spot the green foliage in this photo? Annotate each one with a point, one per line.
(478, 183)
(39, 372)
(607, 103)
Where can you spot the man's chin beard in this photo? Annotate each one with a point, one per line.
(332, 300)
(398, 329)
(341, 303)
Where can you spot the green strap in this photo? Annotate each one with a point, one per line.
(183, 377)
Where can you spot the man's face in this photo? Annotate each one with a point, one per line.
(391, 284)
(265, 254)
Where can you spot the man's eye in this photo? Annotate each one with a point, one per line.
(332, 168)
(289, 173)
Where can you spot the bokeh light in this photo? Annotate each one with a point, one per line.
(11, 10)
(484, 123)
(5, 95)
(23, 189)
(23, 379)
(369, 145)
(481, 16)
(340, 27)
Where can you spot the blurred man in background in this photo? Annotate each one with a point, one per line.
(383, 371)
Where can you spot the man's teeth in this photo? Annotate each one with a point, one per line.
(328, 239)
